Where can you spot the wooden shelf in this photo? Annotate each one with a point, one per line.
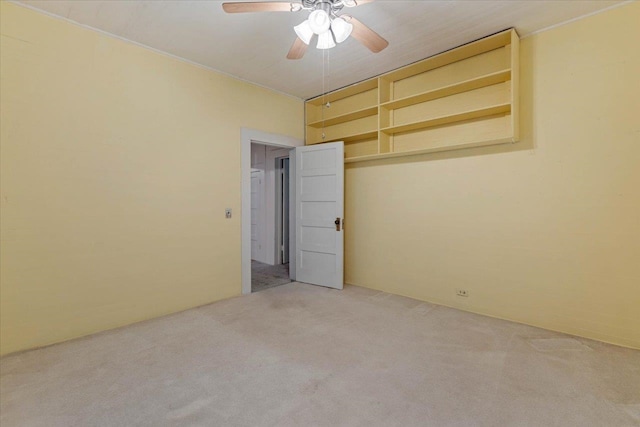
(461, 98)
(347, 117)
(451, 118)
(359, 136)
(345, 92)
(467, 85)
(350, 137)
(465, 51)
(429, 150)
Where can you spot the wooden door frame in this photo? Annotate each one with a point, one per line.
(280, 210)
(272, 154)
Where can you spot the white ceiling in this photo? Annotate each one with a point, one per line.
(253, 46)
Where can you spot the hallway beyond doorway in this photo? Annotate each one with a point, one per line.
(265, 276)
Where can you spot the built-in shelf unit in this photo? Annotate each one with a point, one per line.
(465, 97)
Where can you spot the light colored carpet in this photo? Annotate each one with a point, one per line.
(300, 355)
(265, 276)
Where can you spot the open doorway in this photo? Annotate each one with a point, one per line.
(322, 167)
(270, 204)
(247, 137)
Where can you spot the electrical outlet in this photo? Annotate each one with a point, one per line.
(462, 293)
(227, 213)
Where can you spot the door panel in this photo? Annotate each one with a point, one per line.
(319, 172)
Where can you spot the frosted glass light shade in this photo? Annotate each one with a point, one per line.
(304, 32)
(325, 40)
(341, 29)
(319, 21)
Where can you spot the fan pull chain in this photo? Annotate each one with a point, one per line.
(323, 94)
(324, 77)
(328, 104)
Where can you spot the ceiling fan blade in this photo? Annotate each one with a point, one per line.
(297, 50)
(365, 35)
(261, 6)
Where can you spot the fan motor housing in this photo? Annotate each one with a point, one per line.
(326, 5)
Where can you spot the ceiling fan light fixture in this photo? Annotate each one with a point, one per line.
(304, 32)
(325, 40)
(319, 21)
(341, 29)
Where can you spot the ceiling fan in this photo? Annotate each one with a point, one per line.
(323, 22)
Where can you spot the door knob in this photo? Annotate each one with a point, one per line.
(337, 223)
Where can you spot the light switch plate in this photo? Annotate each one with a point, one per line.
(227, 213)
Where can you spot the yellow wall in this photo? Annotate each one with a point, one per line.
(545, 231)
(117, 165)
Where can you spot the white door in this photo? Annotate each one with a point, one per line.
(319, 213)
